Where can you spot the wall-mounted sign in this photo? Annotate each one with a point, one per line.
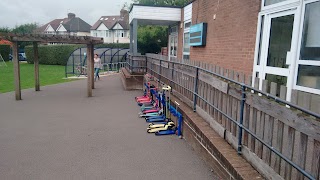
(198, 34)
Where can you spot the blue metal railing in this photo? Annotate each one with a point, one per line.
(244, 89)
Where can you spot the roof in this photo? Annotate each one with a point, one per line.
(111, 21)
(5, 42)
(71, 24)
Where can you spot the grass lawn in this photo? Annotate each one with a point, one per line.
(49, 74)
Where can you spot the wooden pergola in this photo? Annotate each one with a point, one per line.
(38, 38)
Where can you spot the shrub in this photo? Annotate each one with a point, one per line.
(5, 51)
(113, 45)
(51, 54)
(59, 54)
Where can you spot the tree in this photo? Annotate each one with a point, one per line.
(25, 28)
(4, 30)
(152, 38)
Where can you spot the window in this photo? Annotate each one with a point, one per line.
(310, 46)
(187, 25)
(309, 76)
(186, 43)
(308, 70)
(174, 29)
(270, 2)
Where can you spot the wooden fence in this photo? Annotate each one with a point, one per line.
(296, 135)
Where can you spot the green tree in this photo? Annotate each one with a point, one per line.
(152, 38)
(25, 29)
(5, 30)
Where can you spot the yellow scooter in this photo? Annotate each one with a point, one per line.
(153, 126)
(164, 128)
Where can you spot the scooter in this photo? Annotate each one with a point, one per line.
(154, 114)
(152, 125)
(166, 127)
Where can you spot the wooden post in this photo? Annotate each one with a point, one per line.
(16, 68)
(89, 70)
(36, 66)
(92, 66)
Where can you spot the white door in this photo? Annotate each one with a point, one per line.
(277, 38)
(173, 45)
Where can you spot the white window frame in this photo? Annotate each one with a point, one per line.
(299, 5)
(277, 6)
(173, 35)
(304, 62)
(185, 30)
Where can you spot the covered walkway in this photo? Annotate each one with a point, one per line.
(59, 133)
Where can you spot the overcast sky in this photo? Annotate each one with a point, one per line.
(17, 12)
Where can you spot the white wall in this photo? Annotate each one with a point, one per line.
(83, 34)
(155, 13)
(187, 11)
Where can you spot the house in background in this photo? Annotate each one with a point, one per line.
(113, 29)
(71, 25)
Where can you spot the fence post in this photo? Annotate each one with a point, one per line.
(172, 71)
(243, 100)
(160, 72)
(146, 64)
(195, 93)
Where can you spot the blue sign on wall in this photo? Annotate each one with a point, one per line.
(198, 34)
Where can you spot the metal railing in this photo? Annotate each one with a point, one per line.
(244, 91)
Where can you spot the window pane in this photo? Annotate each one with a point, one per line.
(310, 45)
(186, 45)
(309, 76)
(269, 2)
(187, 25)
(280, 40)
(280, 80)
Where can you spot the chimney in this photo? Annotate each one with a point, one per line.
(123, 13)
(71, 15)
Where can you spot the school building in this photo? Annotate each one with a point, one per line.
(276, 40)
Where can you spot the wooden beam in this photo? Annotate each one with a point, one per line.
(89, 70)
(36, 66)
(92, 66)
(16, 68)
(45, 38)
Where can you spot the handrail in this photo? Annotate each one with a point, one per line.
(244, 90)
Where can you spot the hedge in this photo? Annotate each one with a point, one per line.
(51, 54)
(5, 51)
(113, 45)
(59, 54)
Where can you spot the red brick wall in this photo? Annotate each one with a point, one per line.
(180, 37)
(231, 36)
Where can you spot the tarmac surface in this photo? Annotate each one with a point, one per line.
(59, 133)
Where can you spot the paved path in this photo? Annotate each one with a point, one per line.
(59, 133)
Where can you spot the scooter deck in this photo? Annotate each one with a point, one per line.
(166, 132)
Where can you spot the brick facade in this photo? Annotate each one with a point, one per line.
(180, 37)
(231, 35)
